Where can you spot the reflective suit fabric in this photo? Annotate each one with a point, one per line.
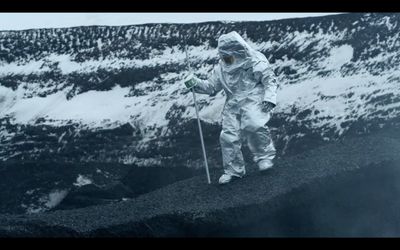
(247, 82)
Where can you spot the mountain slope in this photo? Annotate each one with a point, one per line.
(113, 95)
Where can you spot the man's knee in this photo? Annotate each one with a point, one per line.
(228, 137)
(255, 125)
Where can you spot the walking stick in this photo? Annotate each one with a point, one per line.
(198, 122)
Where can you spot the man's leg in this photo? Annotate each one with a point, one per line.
(230, 140)
(259, 140)
(262, 147)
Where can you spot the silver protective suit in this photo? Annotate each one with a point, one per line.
(247, 82)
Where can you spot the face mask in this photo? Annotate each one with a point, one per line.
(228, 60)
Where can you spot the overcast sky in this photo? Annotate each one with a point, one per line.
(19, 21)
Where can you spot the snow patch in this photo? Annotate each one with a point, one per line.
(47, 202)
(338, 57)
(338, 99)
(55, 198)
(82, 181)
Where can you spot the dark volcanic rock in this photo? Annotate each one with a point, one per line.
(137, 181)
(359, 203)
(29, 187)
(295, 190)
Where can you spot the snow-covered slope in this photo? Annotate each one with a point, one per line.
(114, 94)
